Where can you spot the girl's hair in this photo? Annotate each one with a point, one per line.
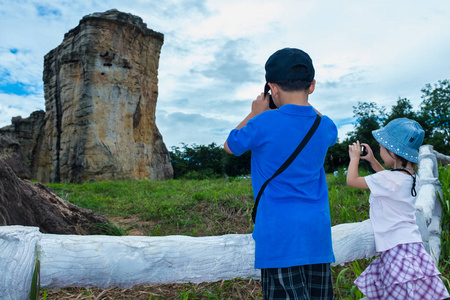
(404, 161)
(404, 164)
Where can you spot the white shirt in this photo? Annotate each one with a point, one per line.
(392, 209)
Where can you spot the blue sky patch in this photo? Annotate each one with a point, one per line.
(342, 122)
(16, 88)
(44, 11)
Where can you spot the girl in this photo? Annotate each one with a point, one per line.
(404, 270)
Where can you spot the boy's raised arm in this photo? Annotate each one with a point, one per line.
(259, 105)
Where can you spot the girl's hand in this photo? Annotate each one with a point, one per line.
(353, 178)
(369, 156)
(354, 150)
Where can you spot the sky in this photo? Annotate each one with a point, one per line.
(212, 60)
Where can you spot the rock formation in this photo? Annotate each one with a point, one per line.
(22, 139)
(101, 89)
(28, 204)
(11, 152)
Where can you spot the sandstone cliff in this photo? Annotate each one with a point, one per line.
(101, 88)
(26, 133)
(11, 153)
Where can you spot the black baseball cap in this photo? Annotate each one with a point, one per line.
(280, 66)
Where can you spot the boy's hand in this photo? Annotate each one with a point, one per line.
(260, 104)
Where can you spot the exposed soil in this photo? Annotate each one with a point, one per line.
(236, 289)
(132, 226)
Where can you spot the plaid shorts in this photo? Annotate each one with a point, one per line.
(406, 271)
(309, 282)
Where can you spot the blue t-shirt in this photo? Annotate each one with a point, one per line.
(293, 225)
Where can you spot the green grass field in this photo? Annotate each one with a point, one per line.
(213, 207)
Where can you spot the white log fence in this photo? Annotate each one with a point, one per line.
(104, 261)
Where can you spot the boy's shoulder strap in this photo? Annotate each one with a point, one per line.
(288, 161)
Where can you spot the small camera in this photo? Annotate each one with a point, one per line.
(363, 151)
(266, 91)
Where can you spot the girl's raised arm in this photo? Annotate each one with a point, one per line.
(371, 158)
(353, 178)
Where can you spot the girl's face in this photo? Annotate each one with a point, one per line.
(386, 156)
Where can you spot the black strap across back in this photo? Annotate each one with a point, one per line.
(286, 163)
(413, 189)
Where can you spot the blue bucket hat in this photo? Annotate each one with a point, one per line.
(401, 136)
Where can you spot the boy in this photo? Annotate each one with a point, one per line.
(292, 230)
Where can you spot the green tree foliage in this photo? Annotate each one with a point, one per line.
(402, 109)
(435, 115)
(179, 163)
(368, 118)
(198, 161)
(207, 161)
(211, 161)
(337, 156)
(238, 165)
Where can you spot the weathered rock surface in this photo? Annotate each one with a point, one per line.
(11, 152)
(28, 204)
(101, 89)
(23, 137)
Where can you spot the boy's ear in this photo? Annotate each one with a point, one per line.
(312, 87)
(273, 88)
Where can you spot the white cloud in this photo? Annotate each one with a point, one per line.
(212, 60)
(343, 130)
(192, 128)
(14, 105)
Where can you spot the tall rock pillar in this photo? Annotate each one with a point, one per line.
(101, 88)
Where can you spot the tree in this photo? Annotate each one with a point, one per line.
(238, 165)
(197, 162)
(368, 118)
(337, 156)
(179, 164)
(403, 109)
(207, 160)
(211, 161)
(435, 115)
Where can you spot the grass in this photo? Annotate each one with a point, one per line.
(215, 207)
(186, 207)
(444, 263)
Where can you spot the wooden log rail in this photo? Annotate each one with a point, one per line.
(104, 261)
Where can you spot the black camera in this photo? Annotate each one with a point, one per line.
(363, 151)
(266, 91)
